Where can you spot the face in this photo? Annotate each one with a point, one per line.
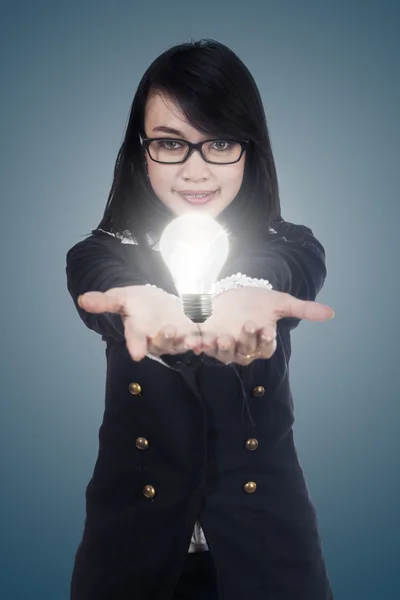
(163, 119)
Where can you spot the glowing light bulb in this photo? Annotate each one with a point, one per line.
(195, 248)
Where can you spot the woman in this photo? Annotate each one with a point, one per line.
(197, 491)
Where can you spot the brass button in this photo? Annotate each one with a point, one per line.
(135, 389)
(250, 487)
(251, 444)
(258, 391)
(149, 491)
(142, 443)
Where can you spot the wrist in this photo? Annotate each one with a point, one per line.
(160, 290)
(239, 280)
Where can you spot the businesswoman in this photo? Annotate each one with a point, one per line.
(197, 491)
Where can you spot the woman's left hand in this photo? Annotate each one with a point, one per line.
(242, 327)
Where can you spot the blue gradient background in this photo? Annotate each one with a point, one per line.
(329, 77)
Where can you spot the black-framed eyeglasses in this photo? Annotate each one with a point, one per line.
(176, 151)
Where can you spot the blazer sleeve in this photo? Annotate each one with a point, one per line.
(292, 259)
(100, 263)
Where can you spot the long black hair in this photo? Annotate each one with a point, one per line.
(218, 95)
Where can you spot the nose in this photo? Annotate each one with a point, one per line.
(195, 168)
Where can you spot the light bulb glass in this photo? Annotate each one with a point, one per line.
(194, 248)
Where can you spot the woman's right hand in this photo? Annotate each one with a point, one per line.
(154, 321)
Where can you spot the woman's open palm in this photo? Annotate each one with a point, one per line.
(154, 321)
(243, 324)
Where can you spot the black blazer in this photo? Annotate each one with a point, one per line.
(209, 433)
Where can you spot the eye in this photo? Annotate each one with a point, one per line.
(221, 145)
(169, 144)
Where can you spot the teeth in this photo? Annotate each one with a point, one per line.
(197, 195)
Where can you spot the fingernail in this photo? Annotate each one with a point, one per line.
(333, 315)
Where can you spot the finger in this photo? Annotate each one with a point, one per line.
(137, 348)
(268, 349)
(194, 340)
(248, 338)
(266, 341)
(242, 360)
(168, 341)
(163, 342)
(226, 348)
(99, 302)
(289, 306)
(191, 340)
(136, 340)
(172, 346)
(209, 341)
(209, 344)
(264, 347)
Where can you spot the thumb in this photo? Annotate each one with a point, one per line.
(305, 309)
(99, 302)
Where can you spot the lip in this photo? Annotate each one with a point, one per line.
(208, 198)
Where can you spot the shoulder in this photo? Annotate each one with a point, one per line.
(100, 238)
(102, 252)
(295, 234)
(288, 229)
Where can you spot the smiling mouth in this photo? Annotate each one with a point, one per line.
(200, 198)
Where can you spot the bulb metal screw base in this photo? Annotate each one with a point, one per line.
(198, 307)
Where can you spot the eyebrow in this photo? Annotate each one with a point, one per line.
(171, 130)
